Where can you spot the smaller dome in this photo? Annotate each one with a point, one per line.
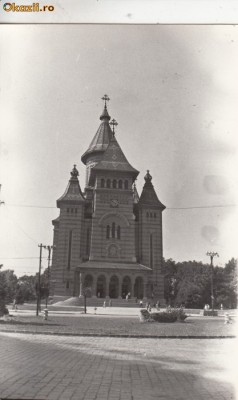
(74, 173)
(148, 177)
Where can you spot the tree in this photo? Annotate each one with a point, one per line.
(225, 285)
(11, 282)
(170, 270)
(3, 294)
(25, 290)
(86, 292)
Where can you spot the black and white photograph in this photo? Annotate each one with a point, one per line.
(118, 211)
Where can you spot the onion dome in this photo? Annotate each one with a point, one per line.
(102, 137)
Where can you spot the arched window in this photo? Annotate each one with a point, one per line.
(102, 183)
(114, 184)
(154, 215)
(147, 214)
(126, 184)
(108, 183)
(120, 184)
(118, 232)
(108, 232)
(113, 229)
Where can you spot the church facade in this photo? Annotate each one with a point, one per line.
(107, 238)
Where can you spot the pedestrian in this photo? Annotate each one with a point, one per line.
(127, 297)
(104, 304)
(149, 307)
(110, 303)
(14, 304)
(141, 303)
(228, 319)
(221, 306)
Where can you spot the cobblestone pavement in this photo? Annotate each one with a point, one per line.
(87, 368)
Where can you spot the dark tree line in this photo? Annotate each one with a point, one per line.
(189, 283)
(23, 289)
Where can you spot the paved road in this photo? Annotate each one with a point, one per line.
(87, 368)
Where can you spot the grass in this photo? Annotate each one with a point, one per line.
(111, 325)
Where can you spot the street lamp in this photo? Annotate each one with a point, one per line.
(212, 254)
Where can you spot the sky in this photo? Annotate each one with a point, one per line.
(173, 91)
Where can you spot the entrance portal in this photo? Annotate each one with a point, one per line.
(101, 286)
(138, 288)
(126, 286)
(114, 287)
(88, 283)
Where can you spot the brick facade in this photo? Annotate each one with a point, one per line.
(108, 239)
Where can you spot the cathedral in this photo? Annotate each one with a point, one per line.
(107, 238)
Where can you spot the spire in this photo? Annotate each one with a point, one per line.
(105, 115)
(148, 196)
(73, 193)
(113, 159)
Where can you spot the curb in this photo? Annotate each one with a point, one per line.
(121, 335)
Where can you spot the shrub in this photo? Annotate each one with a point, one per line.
(171, 315)
(164, 316)
(145, 316)
(181, 316)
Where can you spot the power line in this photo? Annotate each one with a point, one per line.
(20, 258)
(167, 208)
(19, 227)
(195, 207)
(28, 206)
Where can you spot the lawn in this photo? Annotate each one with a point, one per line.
(196, 326)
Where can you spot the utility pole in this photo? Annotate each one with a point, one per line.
(39, 284)
(212, 255)
(49, 248)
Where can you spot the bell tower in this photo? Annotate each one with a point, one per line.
(150, 236)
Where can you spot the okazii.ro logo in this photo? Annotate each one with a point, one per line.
(35, 7)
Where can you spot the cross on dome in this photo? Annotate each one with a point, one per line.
(105, 98)
(113, 123)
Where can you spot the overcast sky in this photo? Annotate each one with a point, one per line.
(173, 91)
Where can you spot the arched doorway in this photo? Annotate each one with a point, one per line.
(139, 288)
(101, 286)
(88, 283)
(114, 287)
(126, 286)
